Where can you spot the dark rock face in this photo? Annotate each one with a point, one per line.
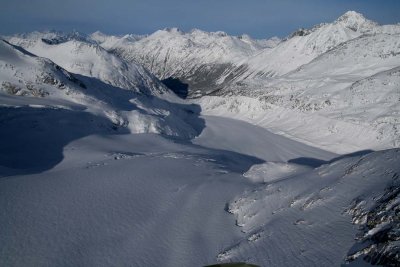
(300, 32)
(204, 80)
(379, 237)
(177, 86)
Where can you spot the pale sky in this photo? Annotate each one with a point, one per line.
(258, 18)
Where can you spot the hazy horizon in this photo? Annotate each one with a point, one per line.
(259, 19)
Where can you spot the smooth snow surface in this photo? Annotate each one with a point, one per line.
(244, 138)
(137, 200)
(142, 200)
(130, 200)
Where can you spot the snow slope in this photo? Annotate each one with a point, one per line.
(142, 200)
(197, 58)
(230, 134)
(328, 102)
(80, 56)
(171, 52)
(110, 41)
(305, 45)
(88, 177)
(120, 199)
(310, 216)
(129, 200)
(28, 80)
(207, 62)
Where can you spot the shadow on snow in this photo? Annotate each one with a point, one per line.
(314, 163)
(32, 140)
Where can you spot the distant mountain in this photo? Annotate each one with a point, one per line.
(110, 41)
(81, 55)
(308, 76)
(304, 45)
(196, 58)
(27, 80)
(25, 74)
(332, 88)
(207, 62)
(306, 86)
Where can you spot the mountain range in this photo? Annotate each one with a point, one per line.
(303, 132)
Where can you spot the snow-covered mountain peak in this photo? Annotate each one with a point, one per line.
(245, 37)
(355, 21)
(221, 34)
(10, 52)
(352, 16)
(27, 40)
(108, 41)
(350, 20)
(90, 59)
(172, 30)
(194, 33)
(304, 45)
(25, 74)
(188, 56)
(26, 79)
(98, 34)
(100, 37)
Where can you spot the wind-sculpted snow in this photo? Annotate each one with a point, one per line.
(121, 199)
(159, 205)
(302, 220)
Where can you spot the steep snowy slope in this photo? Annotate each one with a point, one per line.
(338, 113)
(78, 55)
(327, 102)
(205, 62)
(196, 58)
(24, 74)
(304, 45)
(362, 57)
(30, 81)
(309, 217)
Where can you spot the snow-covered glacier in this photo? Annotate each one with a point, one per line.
(195, 148)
